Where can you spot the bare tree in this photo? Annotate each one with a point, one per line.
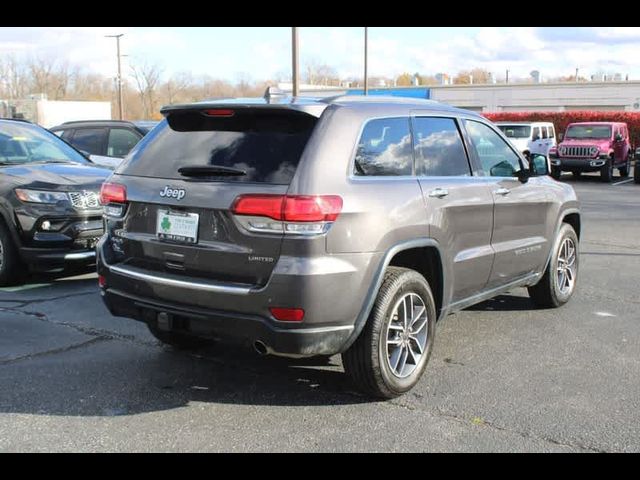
(13, 77)
(176, 87)
(147, 77)
(317, 73)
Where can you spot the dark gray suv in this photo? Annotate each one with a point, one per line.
(345, 225)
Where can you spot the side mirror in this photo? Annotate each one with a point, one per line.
(619, 137)
(561, 136)
(535, 138)
(539, 165)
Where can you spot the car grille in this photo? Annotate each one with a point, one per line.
(83, 200)
(578, 151)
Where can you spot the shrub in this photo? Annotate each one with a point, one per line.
(562, 119)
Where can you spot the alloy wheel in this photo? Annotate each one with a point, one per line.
(406, 335)
(566, 269)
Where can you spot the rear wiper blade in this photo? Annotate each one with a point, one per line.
(210, 171)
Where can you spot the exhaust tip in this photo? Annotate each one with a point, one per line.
(260, 347)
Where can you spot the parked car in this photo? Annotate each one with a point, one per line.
(593, 147)
(304, 227)
(636, 166)
(106, 142)
(49, 202)
(530, 137)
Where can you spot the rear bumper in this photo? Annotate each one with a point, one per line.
(230, 326)
(331, 290)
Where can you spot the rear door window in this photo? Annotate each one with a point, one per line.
(90, 140)
(385, 148)
(439, 149)
(255, 145)
(121, 141)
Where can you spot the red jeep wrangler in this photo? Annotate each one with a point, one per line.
(592, 147)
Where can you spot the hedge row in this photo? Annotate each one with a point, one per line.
(562, 119)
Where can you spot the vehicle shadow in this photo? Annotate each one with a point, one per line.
(35, 284)
(505, 303)
(114, 378)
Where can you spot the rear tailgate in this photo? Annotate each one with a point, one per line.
(181, 223)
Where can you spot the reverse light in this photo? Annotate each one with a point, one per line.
(291, 214)
(287, 314)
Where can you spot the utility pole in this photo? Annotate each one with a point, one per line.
(294, 61)
(366, 57)
(507, 77)
(119, 78)
(577, 69)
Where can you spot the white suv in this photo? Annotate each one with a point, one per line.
(530, 137)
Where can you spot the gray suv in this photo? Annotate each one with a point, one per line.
(345, 225)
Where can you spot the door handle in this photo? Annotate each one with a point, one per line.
(502, 191)
(439, 192)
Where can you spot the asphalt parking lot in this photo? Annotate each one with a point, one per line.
(503, 375)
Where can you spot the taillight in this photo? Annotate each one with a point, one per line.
(219, 112)
(287, 314)
(113, 193)
(113, 196)
(293, 214)
(319, 208)
(259, 206)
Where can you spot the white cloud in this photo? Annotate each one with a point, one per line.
(553, 51)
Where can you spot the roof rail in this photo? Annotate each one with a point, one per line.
(97, 121)
(376, 99)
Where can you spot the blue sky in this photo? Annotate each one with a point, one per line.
(264, 52)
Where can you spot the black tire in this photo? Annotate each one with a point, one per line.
(636, 172)
(606, 171)
(547, 292)
(555, 173)
(11, 268)
(626, 168)
(177, 340)
(366, 361)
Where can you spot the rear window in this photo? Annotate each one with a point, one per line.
(262, 146)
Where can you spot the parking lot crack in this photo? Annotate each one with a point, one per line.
(86, 330)
(54, 351)
(479, 422)
(21, 303)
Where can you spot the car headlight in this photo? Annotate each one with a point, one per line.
(40, 196)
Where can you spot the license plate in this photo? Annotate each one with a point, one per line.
(177, 227)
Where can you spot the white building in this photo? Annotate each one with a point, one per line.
(517, 97)
(49, 113)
